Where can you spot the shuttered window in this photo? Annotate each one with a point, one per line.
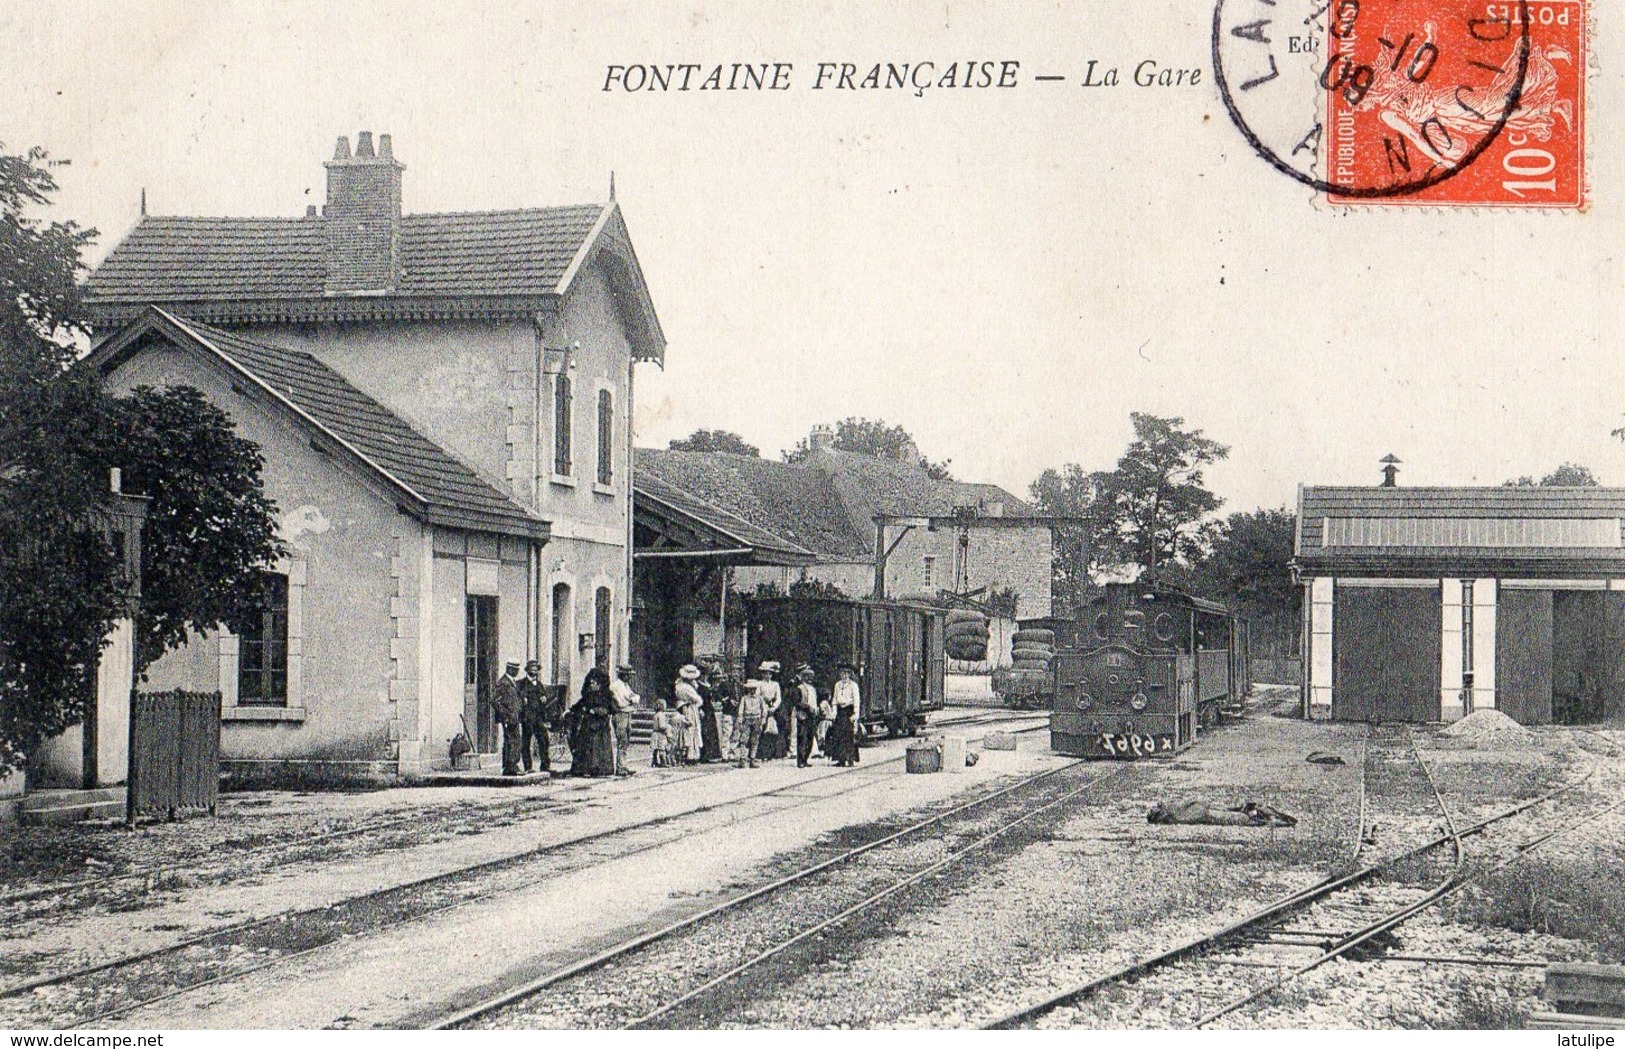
(606, 438)
(561, 425)
(601, 628)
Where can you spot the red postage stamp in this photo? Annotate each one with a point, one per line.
(1504, 115)
(1477, 103)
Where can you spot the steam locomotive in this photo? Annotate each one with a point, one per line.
(1146, 670)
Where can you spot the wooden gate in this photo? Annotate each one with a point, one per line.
(1386, 647)
(174, 753)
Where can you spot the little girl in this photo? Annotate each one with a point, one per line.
(661, 740)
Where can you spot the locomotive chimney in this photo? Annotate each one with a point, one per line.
(1390, 471)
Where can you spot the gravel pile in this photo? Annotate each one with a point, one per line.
(1489, 729)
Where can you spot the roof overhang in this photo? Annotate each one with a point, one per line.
(610, 245)
(689, 536)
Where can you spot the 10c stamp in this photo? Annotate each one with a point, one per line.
(1430, 102)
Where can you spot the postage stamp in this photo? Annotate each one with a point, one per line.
(1422, 102)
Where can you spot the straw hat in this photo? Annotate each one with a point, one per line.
(770, 665)
(689, 672)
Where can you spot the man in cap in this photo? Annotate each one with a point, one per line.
(509, 704)
(625, 700)
(533, 718)
(805, 714)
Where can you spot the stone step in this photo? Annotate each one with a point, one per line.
(61, 807)
(45, 799)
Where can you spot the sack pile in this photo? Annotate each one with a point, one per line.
(967, 636)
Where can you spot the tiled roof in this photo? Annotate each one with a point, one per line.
(891, 486)
(731, 528)
(796, 503)
(451, 491)
(479, 253)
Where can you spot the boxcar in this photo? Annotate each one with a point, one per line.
(895, 646)
(1147, 670)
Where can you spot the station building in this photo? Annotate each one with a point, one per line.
(443, 402)
(1425, 604)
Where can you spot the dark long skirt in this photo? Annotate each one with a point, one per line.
(768, 748)
(710, 736)
(598, 745)
(841, 744)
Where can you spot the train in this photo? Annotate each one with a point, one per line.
(896, 647)
(1144, 670)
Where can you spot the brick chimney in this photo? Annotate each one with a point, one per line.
(363, 214)
(822, 437)
(1390, 470)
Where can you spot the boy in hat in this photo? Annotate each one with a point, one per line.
(748, 725)
(508, 705)
(805, 714)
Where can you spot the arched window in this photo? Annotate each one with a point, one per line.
(606, 438)
(561, 425)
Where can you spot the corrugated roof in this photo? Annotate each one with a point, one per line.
(793, 502)
(477, 253)
(452, 491)
(1406, 512)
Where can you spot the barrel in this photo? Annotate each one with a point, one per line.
(923, 757)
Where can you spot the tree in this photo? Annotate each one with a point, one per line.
(1082, 547)
(1249, 567)
(1567, 475)
(210, 529)
(1159, 494)
(875, 437)
(715, 441)
(60, 591)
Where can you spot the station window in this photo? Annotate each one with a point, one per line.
(262, 652)
(562, 419)
(606, 438)
(930, 572)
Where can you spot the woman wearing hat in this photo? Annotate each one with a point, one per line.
(772, 705)
(597, 734)
(842, 742)
(687, 740)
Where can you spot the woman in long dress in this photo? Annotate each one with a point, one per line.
(767, 687)
(598, 730)
(687, 741)
(710, 733)
(842, 741)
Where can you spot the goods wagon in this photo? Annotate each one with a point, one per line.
(1147, 670)
(897, 648)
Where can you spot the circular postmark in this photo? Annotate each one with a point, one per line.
(1370, 98)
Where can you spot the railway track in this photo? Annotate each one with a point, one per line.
(701, 996)
(1349, 915)
(280, 853)
(120, 986)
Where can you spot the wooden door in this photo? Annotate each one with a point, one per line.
(1523, 655)
(480, 669)
(1386, 651)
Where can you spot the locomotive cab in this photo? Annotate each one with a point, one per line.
(1148, 670)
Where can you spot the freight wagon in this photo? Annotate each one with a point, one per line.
(897, 648)
(1147, 670)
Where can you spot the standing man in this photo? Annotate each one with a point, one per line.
(533, 728)
(509, 704)
(805, 715)
(624, 700)
(748, 725)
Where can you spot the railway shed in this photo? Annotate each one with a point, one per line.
(1424, 604)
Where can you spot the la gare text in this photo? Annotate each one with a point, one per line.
(916, 77)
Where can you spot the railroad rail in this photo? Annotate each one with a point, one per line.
(511, 996)
(1269, 919)
(530, 803)
(420, 898)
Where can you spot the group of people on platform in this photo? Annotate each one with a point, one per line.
(715, 718)
(597, 725)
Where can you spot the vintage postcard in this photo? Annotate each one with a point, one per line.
(721, 514)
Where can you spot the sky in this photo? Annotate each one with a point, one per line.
(1006, 273)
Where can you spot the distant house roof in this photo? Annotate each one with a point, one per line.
(826, 504)
(1534, 531)
(431, 483)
